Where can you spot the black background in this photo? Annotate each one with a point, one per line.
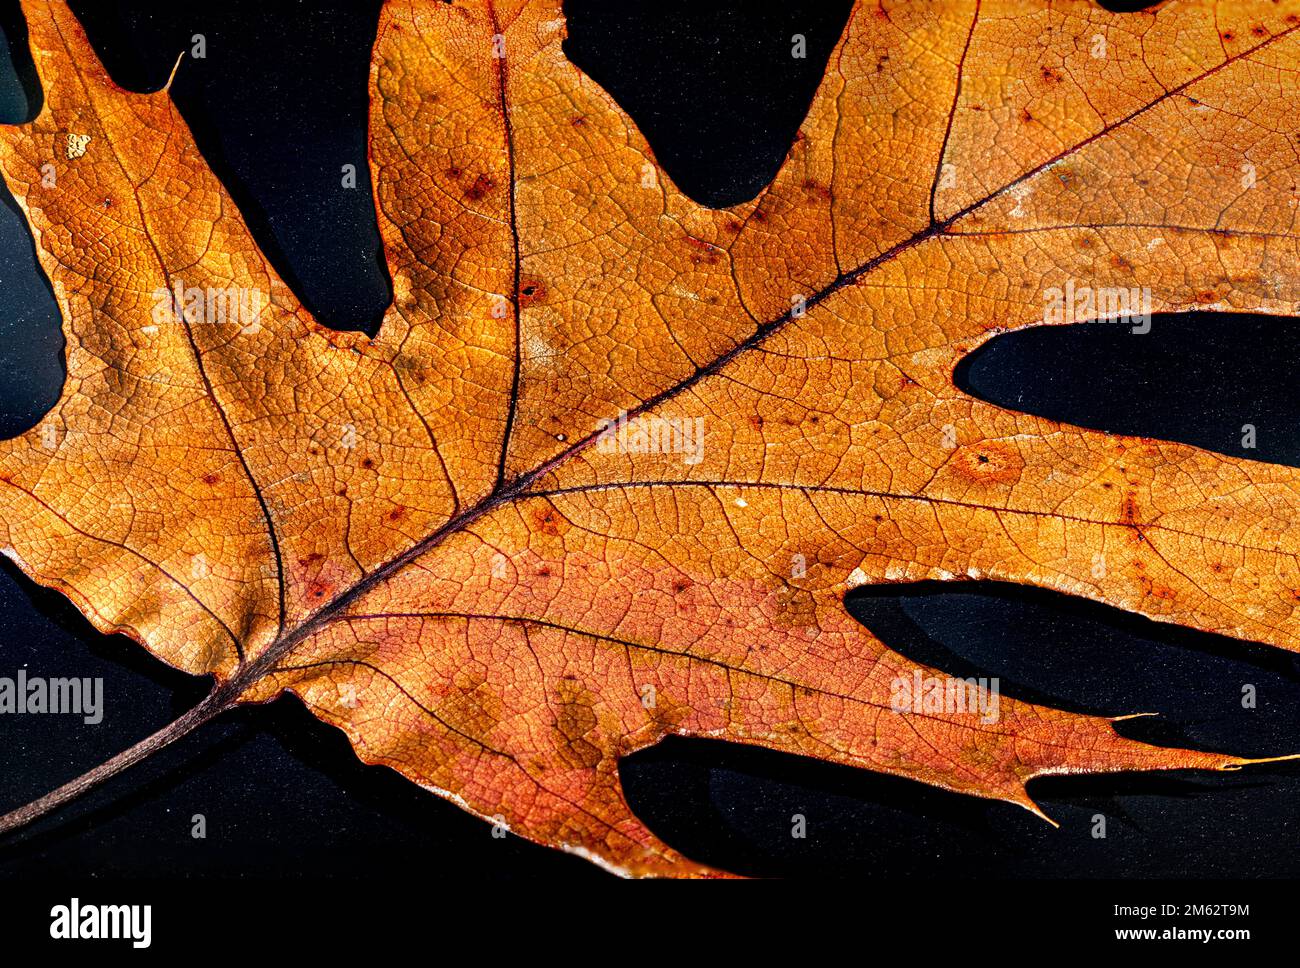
(278, 106)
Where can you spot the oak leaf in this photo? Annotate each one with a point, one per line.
(614, 458)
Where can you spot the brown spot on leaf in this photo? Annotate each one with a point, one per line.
(477, 191)
(531, 291)
(547, 520)
(1128, 511)
(814, 187)
(990, 462)
(705, 252)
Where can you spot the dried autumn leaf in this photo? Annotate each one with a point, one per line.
(425, 534)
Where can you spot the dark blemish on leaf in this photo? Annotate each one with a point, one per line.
(704, 252)
(993, 463)
(531, 291)
(547, 522)
(821, 191)
(211, 478)
(1128, 511)
(482, 185)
